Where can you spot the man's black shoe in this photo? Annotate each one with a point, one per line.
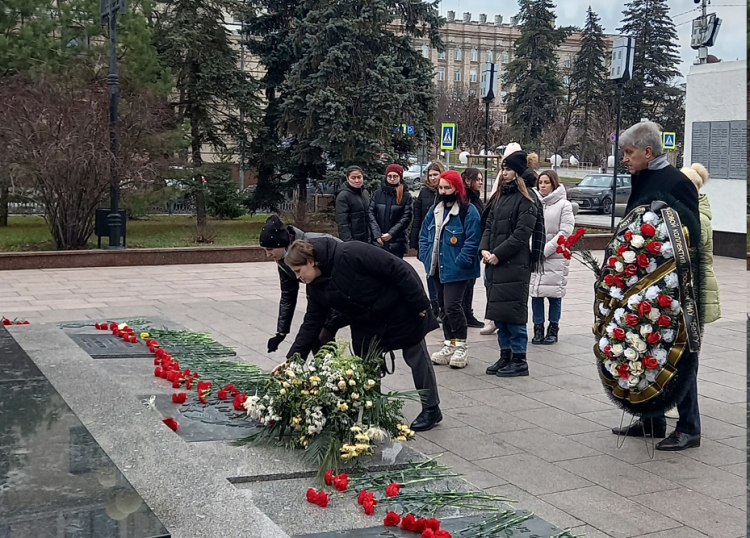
(517, 367)
(427, 419)
(679, 441)
(474, 322)
(502, 362)
(637, 429)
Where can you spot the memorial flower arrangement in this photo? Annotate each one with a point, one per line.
(330, 405)
(6, 321)
(640, 321)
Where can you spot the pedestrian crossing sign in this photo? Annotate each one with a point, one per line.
(448, 136)
(668, 141)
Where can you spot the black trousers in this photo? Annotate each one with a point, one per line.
(451, 300)
(418, 359)
(690, 418)
(469, 299)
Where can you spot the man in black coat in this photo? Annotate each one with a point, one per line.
(653, 178)
(382, 298)
(275, 238)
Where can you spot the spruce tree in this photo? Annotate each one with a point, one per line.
(651, 93)
(589, 77)
(533, 72)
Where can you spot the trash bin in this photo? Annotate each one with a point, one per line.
(101, 226)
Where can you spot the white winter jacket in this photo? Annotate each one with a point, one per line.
(558, 220)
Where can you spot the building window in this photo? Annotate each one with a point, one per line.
(488, 56)
(473, 75)
(567, 61)
(425, 51)
(474, 55)
(506, 58)
(441, 55)
(503, 117)
(441, 73)
(457, 54)
(457, 75)
(503, 95)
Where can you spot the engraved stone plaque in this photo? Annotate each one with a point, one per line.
(738, 150)
(701, 141)
(718, 159)
(108, 346)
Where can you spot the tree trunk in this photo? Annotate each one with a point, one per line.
(301, 209)
(4, 198)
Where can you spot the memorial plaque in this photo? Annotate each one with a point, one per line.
(699, 148)
(738, 150)
(533, 527)
(718, 159)
(109, 346)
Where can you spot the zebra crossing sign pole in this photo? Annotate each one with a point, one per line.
(448, 140)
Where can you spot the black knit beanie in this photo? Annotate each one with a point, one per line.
(516, 161)
(274, 234)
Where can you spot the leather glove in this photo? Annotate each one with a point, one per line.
(273, 343)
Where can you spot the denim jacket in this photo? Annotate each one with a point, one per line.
(456, 249)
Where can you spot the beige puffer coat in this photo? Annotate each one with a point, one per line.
(558, 219)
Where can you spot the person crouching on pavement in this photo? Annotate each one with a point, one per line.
(384, 301)
(275, 238)
(448, 248)
(513, 223)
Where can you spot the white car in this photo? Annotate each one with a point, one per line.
(413, 174)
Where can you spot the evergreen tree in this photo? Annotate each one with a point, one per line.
(194, 43)
(355, 78)
(589, 78)
(651, 93)
(532, 75)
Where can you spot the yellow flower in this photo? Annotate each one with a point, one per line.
(348, 448)
(282, 391)
(362, 438)
(343, 406)
(349, 372)
(402, 427)
(362, 447)
(355, 396)
(285, 385)
(411, 433)
(296, 381)
(306, 392)
(352, 383)
(314, 380)
(355, 429)
(296, 420)
(346, 456)
(368, 404)
(342, 384)
(401, 438)
(314, 392)
(290, 374)
(144, 335)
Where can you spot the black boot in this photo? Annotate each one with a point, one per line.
(518, 367)
(538, 333)
(551, 337)
(427, 419)
(435, 308)
(501, 363)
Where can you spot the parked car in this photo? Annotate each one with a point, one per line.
(595, 192)
(413, 175)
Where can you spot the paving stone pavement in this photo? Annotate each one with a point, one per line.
(542, 440)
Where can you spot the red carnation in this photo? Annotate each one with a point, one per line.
(157, 372)
(443, 534)
(391, 519)
(609, 280)
(363, 494)
(622, 248)
(311, 495)
(631, 270)
(202, 398)
(560, 239)
(664, 300)
(221, 395)
(421, 525)
(628, 235)
(408, 523)
(328, 477)
(428, 533)
(179, 397)
(392, 489)
(369, 506)
(648, 230)
(559, 250)
(566, 254)
(322, 499)
(664, 321)
(433, 524)
(26, 322)
(619, 333)
(176, 383)
(644, 307)
(229, 387)
(239, 399)
(341, 482)
(171, 423)
(653, 338)
(612, 261)
(235, 392)
(632, 320)
(188, 383)
(649, 362)
(642, 261)
(654, 247)
(580, 232)
(113, 325)
(623, 370)
(163, 374)
(619, 280)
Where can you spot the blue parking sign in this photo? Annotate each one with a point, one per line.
(410, 129)
(448, 136)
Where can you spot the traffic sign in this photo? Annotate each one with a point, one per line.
(488, 87)
(613, 138)
(668, 141)
(410, 129)
(448, 136)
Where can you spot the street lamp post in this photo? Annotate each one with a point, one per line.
(108, 12)
(487, 92)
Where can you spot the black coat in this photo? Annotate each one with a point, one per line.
(351, 214)
(387, 216)
(422, 205)
(507, 233)
(379, 294)
(647, 183)
(476, 200)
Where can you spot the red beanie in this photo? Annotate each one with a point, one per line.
(456, 181)
(395, 168)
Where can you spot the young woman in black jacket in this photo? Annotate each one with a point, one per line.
(473, 181)
(352, 204)
(390, 213)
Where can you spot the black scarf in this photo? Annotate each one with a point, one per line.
(538, 238)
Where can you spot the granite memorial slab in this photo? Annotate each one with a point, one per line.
(108, 346)
(55, 480)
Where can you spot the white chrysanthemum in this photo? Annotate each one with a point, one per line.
(603, 342)
(651, 375)
(671, 280)
(642, 384)
(666, 250)
(632, 281)
(676, 308)
(651, 267)
(661, 231)
(615, 293)
(611, 328)
(603, 311)
(661, 356)
(623, 383)
(377, 434)
(619, 313)
(634, 301)
(637, 241)
(650, 217)
(668, 335)
(651, 293)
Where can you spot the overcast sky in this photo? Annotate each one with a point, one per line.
(730, 45)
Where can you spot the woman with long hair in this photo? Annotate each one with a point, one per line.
(390, 212)
(352, 205)
(550, 284)
(448, 246)
(513, 221)
(473, 182)
(422, 206)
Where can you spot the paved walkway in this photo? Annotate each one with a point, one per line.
(532, 439)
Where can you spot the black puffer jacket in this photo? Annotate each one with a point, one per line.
(475, 199)
(507, 233)
(351, 214)
(387, 216)
(380, 295)
(422, 205)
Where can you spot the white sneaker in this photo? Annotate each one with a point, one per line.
(444, 355)
(460, 358)
(489, 328)
(672, 413)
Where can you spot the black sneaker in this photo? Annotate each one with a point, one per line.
(474, 323)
